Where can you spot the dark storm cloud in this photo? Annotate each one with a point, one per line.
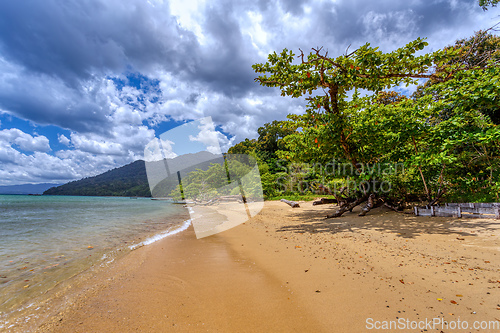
(81, 117)
(349, 20)
(294, 7)
(75, 39)
(73, 43)
(388, 23)
(55, 54)
(193, 98)
(226, 64)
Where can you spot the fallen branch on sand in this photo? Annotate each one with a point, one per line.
(293, 204)
(347, 202)
(324, 201)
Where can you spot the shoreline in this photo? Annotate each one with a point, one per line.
(311, 274)
(182, 283)
(45, 294)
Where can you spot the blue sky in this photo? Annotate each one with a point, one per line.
(85, 85)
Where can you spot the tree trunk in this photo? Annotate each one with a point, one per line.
(321, 189)
(392, 207)
(341, 200)
(348, 206)
(427, 192)
(436, 199)
(369, 205)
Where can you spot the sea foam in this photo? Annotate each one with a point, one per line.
(157, 237)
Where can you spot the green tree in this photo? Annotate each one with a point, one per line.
(476, 52)
(366, 68)
(271, 139)
(264, 150)
(431, 134)
(244, 147)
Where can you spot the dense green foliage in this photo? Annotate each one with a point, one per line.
(129, 180)
(264, 150)
(443, 141)
(235, 175)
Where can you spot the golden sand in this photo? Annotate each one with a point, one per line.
(290, 270)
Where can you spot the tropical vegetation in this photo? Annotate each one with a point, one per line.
(362, 140)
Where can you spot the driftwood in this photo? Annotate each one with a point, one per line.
(344, 208)
(222, 198)
(437, 198)
(230, 197)
(324, 201)
(293, 204)
(397, 209)
(210, 202)
(340, 196)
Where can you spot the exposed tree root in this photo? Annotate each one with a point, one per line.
(349, 206)
(371, 203)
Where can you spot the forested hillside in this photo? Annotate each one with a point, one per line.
(131, 179)
(128, 180)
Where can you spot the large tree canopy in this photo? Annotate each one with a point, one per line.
(366, 68)
(440, 136)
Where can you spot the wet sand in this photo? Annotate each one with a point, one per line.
(184, 284)
(290, 270)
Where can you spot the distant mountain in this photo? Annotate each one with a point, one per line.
(127, 181)
(131, 180)
(26, 188)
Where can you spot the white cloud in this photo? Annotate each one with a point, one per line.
(8, 155)
(214, 141)
(207, 136)
(158, 149)
(63, 139)
(167, 150)
(188, 14)
(93, 144)
(25, 141)
(39, 167)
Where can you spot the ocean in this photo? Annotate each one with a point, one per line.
(47, 240)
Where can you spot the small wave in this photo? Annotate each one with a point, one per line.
(162, 235)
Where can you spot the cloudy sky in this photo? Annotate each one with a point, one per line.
(85, 85)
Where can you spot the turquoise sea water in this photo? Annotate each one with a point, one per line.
(45, 240)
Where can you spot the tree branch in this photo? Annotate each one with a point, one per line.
(270, 82)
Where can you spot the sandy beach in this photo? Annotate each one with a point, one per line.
(290, 270)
